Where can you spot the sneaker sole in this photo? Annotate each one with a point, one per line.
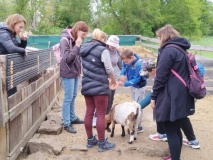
(102, 150)
(90, 146)
(140, 131)
(162, 139)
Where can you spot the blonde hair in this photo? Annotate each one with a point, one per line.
(167, 33)
(13, 19)
(99, 35)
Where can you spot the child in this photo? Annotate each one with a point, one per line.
(130, 76)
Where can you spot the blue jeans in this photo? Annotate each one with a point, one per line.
(70, 86)
(146, 100)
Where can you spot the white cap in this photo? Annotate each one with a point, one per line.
(113, 40)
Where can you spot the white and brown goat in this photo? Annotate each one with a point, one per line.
(127, 114)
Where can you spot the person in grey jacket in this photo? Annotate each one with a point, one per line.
(170, 99)
(70, 70)
(9, 30)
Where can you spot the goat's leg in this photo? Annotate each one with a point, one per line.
(123, 131)
(132, 132)
(113, 128)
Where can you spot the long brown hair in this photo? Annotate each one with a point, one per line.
(80, 25)
(13, 19)
(167, 33)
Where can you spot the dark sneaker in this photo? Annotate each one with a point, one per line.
(70, 129)
(92, 142)
(140, 129)
(104, 146)
(78, 121)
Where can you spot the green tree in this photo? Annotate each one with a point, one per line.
(68, 12)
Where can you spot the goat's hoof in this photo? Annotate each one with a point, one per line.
(122, 135)
(135, 138)
(130, 142)
(111, 135)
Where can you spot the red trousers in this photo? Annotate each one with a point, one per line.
(98, 103)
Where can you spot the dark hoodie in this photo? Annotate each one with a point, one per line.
(173, 100)
(70, 66)
(8, 42)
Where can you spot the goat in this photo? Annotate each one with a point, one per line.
(127, 114)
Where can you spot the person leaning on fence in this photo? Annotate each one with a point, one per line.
(70, 70)
(130, 76)
(97, 68)
(9, 30)
(170, 99)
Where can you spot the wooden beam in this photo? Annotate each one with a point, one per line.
(16, 151)
(15, 111)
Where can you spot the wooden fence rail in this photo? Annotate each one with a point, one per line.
(23, 112)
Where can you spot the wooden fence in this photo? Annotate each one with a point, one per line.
(22, 113)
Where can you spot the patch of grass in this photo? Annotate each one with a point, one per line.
(205, 41)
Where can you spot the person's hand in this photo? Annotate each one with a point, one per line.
(152, 104)
(23, 37)
(120, 83)
(78, 41)
(123, 78)
(25, 55)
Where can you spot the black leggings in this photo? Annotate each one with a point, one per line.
(174, 137)
(185, 125)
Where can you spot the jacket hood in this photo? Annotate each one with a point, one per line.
(87, 47)
(136, 59)
(3, 26)
(67, 33)
(182, 42)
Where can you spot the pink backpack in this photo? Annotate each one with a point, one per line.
(195, 84)
(57, 52)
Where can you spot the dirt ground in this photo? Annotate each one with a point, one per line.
(142, 148)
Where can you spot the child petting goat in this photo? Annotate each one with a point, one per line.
(127, 114)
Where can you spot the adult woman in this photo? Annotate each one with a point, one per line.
(70, 69)
(170, 98)
(97, 68)
(113, 44)
(9, 30)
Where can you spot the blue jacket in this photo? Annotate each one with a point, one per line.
(173, 100)
(132, 72)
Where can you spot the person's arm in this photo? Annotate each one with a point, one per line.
(105, 58)
(163, 70)
(23, 44)
(145, 101)
(8, 44)
(119, 64)
(68, 51)
(136, 77)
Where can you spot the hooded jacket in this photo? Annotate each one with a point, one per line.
(8, 42)
(173, 100)
(95, 78)
(70, 65)
(132, 71)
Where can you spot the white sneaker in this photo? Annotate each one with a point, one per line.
(194, 144)
(158, 137)
(94, 122)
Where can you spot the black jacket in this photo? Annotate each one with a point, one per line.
(8, 42)
(172, 97)
(95, 78)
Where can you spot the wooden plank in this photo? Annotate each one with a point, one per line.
(31, 98)
(24, 114)
(3, 142)
(29, 110)
(3, 91)
(16, 151)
